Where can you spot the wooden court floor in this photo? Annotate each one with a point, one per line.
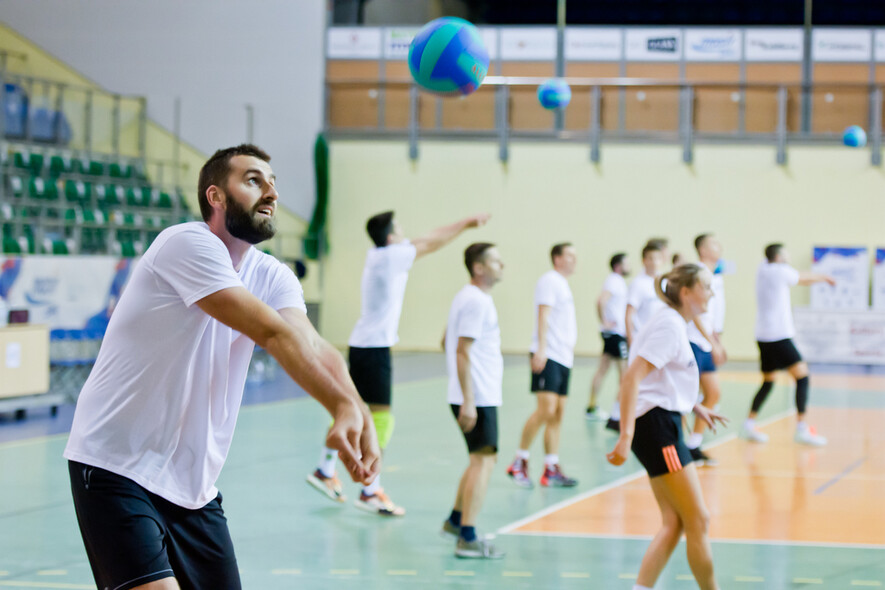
(783, 516)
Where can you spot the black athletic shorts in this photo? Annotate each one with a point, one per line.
(658, 444)
(133, 537)
(485, 433)
(614, 345)
(554, 378)
(371, 372)
(777, 356)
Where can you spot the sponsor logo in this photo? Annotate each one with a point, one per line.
(774, 45)
(715, 45)
(841, 46)
(662, 44)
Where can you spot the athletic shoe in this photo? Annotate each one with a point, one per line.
(807, 436)
(753, 435)
(327, 486)
(702, 459)
(449, 530)
(378, 503)
(596, 415)
(519, 472)
(478, 549)
(613, 424)
(554, 478)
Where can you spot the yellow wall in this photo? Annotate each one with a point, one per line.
(159, 141)
(551, 192)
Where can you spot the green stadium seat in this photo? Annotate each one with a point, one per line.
(21, 160)
(164, 201)
(59, 165)
(11, 245)
(17, 186)
(76, 191)
(51, 246)
(36, 164)
(39, 188)
(127, 249)
(120, 170)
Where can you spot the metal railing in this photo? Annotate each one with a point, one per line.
(686, 133)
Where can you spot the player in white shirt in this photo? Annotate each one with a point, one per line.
(611, 308)
(154, 420)
(642, 303)
(383, 289)
(774, 335)
(660, 385)
(476, 374)
(705, 336)
(553, 354)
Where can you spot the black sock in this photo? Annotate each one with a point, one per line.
(455, 517)
(468, 533)
(802, 394)
(762, 395)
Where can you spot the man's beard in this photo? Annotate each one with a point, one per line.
(243, 224)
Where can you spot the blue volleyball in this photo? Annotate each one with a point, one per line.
(554, 94)
(854, 136)
(448, 57)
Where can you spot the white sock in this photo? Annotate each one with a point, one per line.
(694, 440)
(638, 587)
(801, 426)
(373, 487)
(616, 411)
(327, 462)
(749, 423)
(522, 454)
(551, 460)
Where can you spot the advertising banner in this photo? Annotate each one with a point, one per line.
(654, 44)
(593, 44)
(713, 45)
(353, 43)
(845, 45)
(850, 268)
(528, 43)
(775, 45)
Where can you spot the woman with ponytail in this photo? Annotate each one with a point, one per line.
(660, 385)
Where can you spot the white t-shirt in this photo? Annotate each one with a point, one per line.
(673, 384)
(562, 324)
(161, 403)
(616, 306)
(644, 299)
(774, 315)
(713, 320)
(383, 289)
(473, 315)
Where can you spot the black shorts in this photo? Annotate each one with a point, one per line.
(133, 537)
(614, 345)
(554, 378)
(658, 444)
(372, 374)
(777, 356)
(485, 433)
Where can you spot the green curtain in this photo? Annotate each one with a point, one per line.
(316, 242)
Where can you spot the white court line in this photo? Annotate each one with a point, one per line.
(511, 528)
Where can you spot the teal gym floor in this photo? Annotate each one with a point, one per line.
(289, 536)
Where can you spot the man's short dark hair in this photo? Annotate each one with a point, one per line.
(772, 250)
(557, 250)
(379, 227)
(617, 259)
(475, 253)
(217, 168)
(699, 241)
(652, 246)
(660, 243)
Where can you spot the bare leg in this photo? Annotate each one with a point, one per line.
(601, 371)
(554, 427)
(664, 542)
(542, 415)
(476, 482)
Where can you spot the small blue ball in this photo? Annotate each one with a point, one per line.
(854, 136)
(554, 94)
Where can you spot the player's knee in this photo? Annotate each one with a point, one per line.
(697, 523)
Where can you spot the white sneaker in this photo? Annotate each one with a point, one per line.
(753, 435)
(807, 436)
(596, 415)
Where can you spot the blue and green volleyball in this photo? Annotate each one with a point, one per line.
(554, 94)
(448, 57)
(854, 136)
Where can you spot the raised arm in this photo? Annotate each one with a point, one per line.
(312, 363)
(467, 414)
(445, 234)
(636, 372)
(810, 278)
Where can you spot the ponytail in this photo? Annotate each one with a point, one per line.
(669, 285)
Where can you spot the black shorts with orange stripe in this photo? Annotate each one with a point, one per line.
(658, 444)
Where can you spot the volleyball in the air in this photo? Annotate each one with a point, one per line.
(554, 94)
(448, 57)
(854, 136)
